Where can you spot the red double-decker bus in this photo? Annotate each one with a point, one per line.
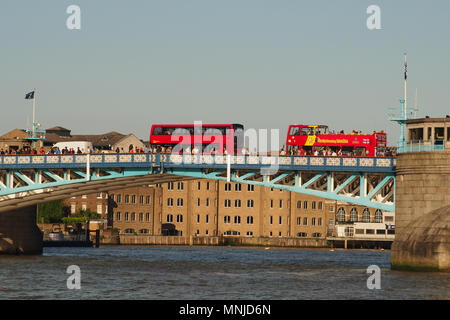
(318, 140)
(205, 138)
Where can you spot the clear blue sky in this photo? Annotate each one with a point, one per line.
(265, 64)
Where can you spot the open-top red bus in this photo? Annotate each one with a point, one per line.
(318, 140)
(209, 138)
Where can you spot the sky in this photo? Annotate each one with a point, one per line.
(263, 63)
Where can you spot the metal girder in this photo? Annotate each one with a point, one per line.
(364, 181)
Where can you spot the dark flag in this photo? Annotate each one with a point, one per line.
(406, 71)
(30, 95)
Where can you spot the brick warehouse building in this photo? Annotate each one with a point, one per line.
(205, 208)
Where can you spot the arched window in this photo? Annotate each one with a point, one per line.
(143, 231)
(378, 216)
(129, 231)
(366, 215)
(341, 215)
(353, 215)
(299, 204)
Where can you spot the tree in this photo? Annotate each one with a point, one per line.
(50, 212)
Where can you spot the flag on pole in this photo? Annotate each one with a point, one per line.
(406, 70)
(29, 95)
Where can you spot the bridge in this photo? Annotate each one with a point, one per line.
(27, 180)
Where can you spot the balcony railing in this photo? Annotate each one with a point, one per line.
(421, 145)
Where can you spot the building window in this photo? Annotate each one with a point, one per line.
(237, 187)
(129, 231)
(169, 218)
(207, 202)
(331, 209)
(279, 234)
(207, 218)
(111, 197)
(198, 185)
(305, 204)
(313, 221)
(313, 205)
(141, 199)
(251, 188)
(179, 218)
(117, 216)
(207, 188)
(227, 186)
(302, 234)
(249, 234)
(147, 217)
(227, 203)
(99, 209)
(127, 198)
(316, 235)
(147, 200)
(280, 219)
(133, 216)
(299, 204)
(250, 203)
(198, 202)
(119, 198)
(126, 216)
(237, 219)
(99, 195)
(299, 221)
(226, 219)
(271, 220)
(170, 202)
(170, 186)
(237, 203)
(180, 185)
(73, 208)
(281, 204)
(83, 207)
(271, 203)
(133, 198)
(141, 216)
(250, 220)
(179, 202)
(341, 215)
(353, 215)
(378, 216)
(305, 221)
(198, 218)
(143, 231)
(319, 221)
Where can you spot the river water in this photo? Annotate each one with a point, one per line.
(178, 272)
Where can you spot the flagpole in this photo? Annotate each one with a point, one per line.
(404, 93)
(34, 113)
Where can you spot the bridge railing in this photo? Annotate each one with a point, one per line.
(421, 146)
(171, 160)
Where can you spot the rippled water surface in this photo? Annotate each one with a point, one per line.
(126, 272)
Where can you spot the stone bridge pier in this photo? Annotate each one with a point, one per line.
(422, 236)
(19, 233)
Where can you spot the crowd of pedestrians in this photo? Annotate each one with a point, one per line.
(187, 150)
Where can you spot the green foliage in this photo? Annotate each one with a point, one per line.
(73, 220)
(50, 212)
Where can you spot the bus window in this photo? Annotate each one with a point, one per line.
(295, 131)
(347, 151)
(360, 151)
(307, 131)
(321, 130)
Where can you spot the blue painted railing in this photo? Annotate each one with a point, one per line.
(144, 160)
